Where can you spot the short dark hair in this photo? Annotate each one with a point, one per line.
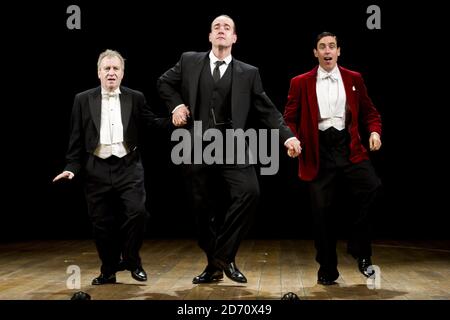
(323, 35)
(226, 16)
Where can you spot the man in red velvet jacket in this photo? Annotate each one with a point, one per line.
(326, 107)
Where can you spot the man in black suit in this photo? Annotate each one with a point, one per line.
(220, 92)
(106, 125)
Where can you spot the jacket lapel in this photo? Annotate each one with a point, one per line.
(125, 108)
(235, 88)
(95, 107)
(348, 85)
(194, 77)
(312, 94)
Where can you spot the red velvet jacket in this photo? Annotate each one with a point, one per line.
(302, 115)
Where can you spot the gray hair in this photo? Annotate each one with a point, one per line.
(110, 53)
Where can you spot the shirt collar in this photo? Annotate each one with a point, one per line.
(115, 92)
(322, 73)
(213, 58)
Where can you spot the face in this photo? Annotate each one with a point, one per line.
(110, 73)
(222, 32)
(327, 52)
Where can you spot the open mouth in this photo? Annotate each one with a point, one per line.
(328, 58)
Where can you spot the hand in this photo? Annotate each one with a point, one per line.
(374, 141)
(64, 175)
(180, 116)
(293, 148)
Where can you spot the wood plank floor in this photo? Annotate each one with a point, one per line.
(37, 270)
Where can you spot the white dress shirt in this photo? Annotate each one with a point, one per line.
(331, 99)
(212, 63)
(111, 128)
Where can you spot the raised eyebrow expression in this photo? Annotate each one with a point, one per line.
(226, 26)
(331, 45)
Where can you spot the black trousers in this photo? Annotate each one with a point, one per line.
(363, 185)
(225, 198)
(116, 196)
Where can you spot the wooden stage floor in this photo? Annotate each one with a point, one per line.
(38, 270)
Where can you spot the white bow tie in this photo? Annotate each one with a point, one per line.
(110, 94)
(331, 76)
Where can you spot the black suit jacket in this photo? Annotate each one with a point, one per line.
(180, 85)
(85, 123)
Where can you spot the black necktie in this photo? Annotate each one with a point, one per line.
(216, 72)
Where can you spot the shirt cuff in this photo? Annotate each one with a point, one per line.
(289, 139)
(178, 106)
(71, 173)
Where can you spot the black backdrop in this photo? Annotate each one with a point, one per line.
(46, 64)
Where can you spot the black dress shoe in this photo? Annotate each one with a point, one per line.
(323, 280)
(363, 266)
(211, 274)
(80, 295)
(290, 296)
(231, 271)
(327, 276)
(139, 274)
(104, 279)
